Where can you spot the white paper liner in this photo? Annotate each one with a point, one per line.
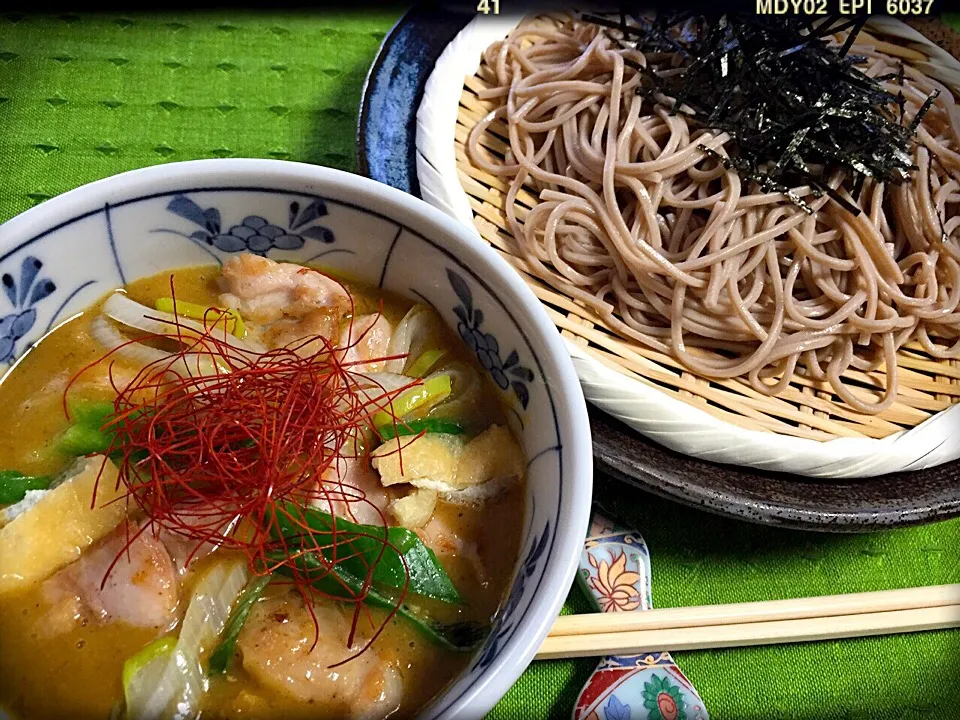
(665, 419)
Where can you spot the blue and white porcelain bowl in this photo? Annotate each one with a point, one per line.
(61, 256)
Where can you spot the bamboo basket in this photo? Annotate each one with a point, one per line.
(806, 408)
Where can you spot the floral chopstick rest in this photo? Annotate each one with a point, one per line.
(615, 575)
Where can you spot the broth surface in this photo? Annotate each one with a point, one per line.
(48, 672)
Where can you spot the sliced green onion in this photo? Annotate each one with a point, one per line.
(14, 485)
(221, 657)
(89, 412)
(425, 396)
(202, 312)
(80, 440)
(420, 366)
(149, 662)
(415, 427)
(393, 557)
(338, 582)
(172, 683)
(88, 434)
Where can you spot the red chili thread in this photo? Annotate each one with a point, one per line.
(215, 454)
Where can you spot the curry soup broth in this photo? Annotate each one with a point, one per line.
(76, 672)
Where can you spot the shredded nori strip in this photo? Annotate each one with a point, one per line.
(789, 100)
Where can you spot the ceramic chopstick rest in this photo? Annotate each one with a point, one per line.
(615, 575)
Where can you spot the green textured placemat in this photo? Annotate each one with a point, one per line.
(84, 97)
(700, 559)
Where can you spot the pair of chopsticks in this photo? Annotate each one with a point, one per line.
(772, 622)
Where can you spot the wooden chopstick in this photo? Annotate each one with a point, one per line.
(748, 634)
(766, 611)
(762, 623)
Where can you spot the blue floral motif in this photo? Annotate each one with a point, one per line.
(254, 233)
(616, 710)
(23, 295)
(507, 373)
(506, 619)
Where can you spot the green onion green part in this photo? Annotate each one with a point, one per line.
(220, 659)
(415, 427)
(89, 434)
(424, 396)
(388, 555)
(204, 313)
(421, 366)
(14, 485)
(338, 582)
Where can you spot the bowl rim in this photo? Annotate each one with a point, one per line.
(492, 681)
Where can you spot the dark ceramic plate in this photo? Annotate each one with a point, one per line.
(386, 142)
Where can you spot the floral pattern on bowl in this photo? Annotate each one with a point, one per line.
(507, 373)
(253, 233)
(23, 295)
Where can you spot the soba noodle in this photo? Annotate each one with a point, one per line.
(638, 222)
